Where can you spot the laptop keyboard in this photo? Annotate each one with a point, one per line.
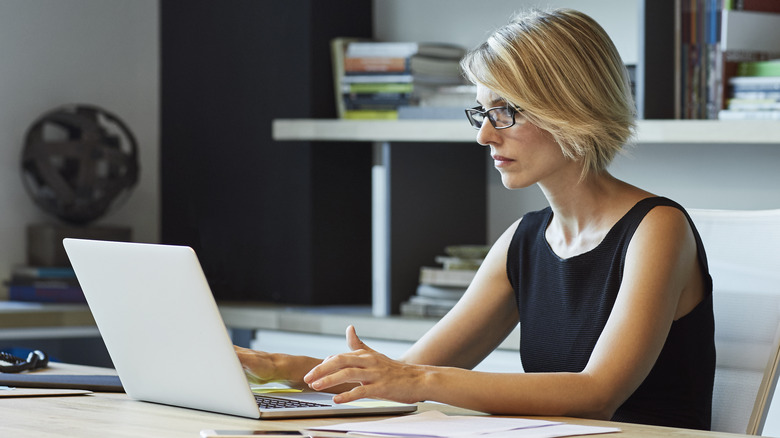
(265, 402)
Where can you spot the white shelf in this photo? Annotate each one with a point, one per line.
(445, 131)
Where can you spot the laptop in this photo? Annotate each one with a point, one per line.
(166, 338)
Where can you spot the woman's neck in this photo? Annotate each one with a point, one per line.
(585, 211)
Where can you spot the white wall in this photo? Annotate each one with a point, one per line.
(55, 52)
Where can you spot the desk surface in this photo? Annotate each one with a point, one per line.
(115, 415)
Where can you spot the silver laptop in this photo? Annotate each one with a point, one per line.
(165, 335)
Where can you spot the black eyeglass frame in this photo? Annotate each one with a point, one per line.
(486, 113)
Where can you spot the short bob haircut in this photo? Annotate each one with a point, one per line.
(563, 70)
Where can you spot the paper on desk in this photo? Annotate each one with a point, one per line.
(551, 431)
(436, 424)
(9, 391)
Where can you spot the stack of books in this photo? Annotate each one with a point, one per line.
(441, 287)
(755, 92)
(44, 284)
(375, 79)
(713, 39)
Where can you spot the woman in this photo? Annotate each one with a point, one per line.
(609, 284)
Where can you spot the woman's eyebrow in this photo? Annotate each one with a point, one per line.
(494, 102)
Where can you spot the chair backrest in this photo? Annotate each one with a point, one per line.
(743, 250)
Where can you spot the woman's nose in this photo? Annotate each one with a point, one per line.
(486, 133)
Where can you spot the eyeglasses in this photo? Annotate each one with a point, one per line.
(501, 117)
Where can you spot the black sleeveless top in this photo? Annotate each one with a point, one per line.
(564, 305)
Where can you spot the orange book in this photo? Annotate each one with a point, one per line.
(376, 64)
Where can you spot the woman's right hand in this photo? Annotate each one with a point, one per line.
(259, 366)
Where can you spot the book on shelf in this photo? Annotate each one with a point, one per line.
(729, 114)
(443, 292)
(441, 287)
(446, 277)
(757, 5)
(363, 68)
(338, 47)
(714, 39)
(755, 94)
(43, 272)
(44, 284)
(411, 308)
(404, 49)
(756, 104)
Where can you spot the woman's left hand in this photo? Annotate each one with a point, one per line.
(375, 374)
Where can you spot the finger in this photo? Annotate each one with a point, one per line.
(353, 341)
(355, 393)
(330, 365)
(339, 377)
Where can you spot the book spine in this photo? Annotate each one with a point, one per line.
(748, 115)
(760, 5)
(365, 65)
(367, 114)
(378, 78)
(378, 88)
(423, 310)
(44, 272)
(381, 49)
(72, 294)
(442, 277)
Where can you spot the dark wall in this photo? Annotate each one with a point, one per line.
(270, 221)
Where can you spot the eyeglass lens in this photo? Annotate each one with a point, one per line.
(500, 117)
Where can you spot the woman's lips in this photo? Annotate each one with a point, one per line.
(500, 161)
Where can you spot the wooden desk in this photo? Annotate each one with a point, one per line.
(107, 415)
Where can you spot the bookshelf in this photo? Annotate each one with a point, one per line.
(456, 131)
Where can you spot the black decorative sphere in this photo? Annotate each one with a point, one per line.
(79, 162)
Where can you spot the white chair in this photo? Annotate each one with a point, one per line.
(743, 250)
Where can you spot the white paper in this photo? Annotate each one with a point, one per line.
(552, 431)
(436, 425)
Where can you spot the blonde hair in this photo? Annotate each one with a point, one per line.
(563, 70)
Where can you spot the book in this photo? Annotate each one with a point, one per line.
(748, 115)
(403, 49)
(467, 263)
(337, 48)
(377, 88)
(370, 114)
(44, 272)
(409, 308)
(754, 104)
(759, 68)
(46, 293)
(446, 277)
(443, 292)
(467, 251)
(402, 78)
(758, 5)
(755, 83)
(374, 64)
(374, 67)
(44, 284)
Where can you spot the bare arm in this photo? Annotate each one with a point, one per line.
(462, 338)
(659, 284)
(480, 320)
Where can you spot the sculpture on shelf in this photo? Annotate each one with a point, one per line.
(79, 162)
